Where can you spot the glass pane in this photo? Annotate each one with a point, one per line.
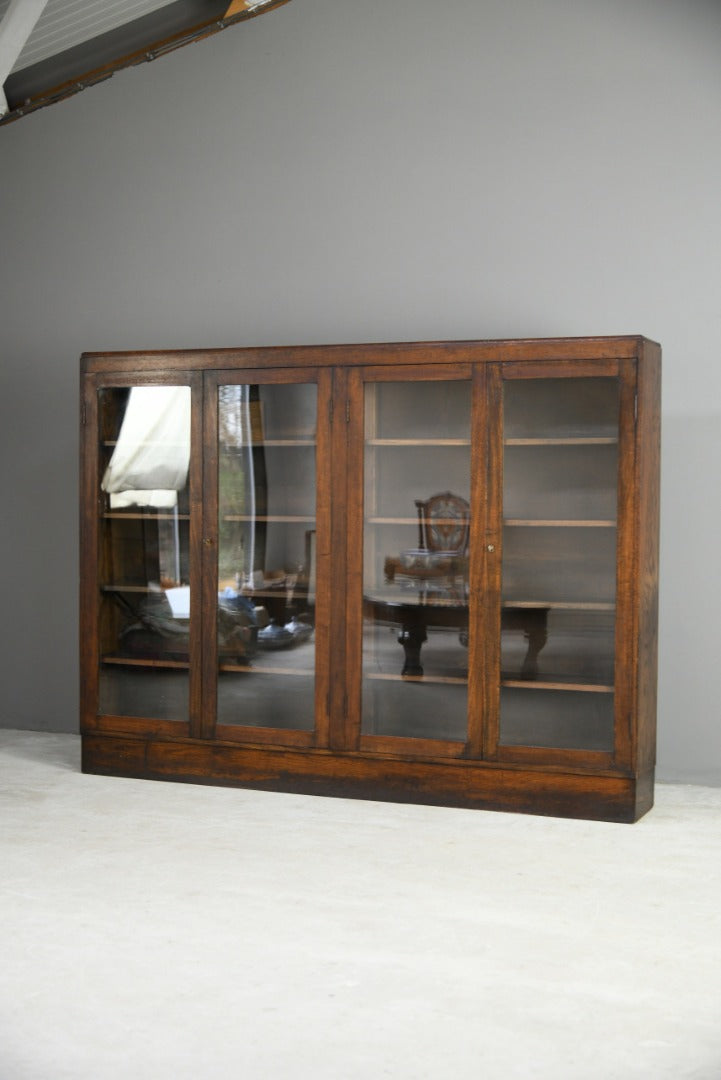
(266, 555)
(562, 719)
(561, 408)
(415, 572)
(144, 546)
(560, 467)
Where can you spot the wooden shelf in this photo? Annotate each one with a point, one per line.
(391, 521)
(408, 521)
(270, 590)
(283, 519)
(121, 515)
(448, 680)
(252, 669)
(561, 605)
(516, 523)
(131, 588)
(418, 442)
(554, 523)
(135, 661)
(149, 442)
(545, 684)
(263, 443)
(571, 441)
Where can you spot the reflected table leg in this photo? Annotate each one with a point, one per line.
(411, 637)
(533, 622)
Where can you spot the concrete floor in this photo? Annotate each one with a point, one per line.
(154, 931)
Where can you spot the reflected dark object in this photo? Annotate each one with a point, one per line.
(299, 630)
(154, 631)
(417, 616)
(533, 622)
(285, 598)
(274, 636)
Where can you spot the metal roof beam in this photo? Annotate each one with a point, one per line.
(15, 29)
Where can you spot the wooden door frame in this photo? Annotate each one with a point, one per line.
(618, 760)
(91, 717)
(212, 380)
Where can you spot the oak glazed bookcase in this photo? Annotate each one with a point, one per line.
(420, 572)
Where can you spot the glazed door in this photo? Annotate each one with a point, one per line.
(559, 524)
(265, 554)
(140, 603)
(412, 544)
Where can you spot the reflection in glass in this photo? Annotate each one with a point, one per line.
(415, 573)
(565, 719)
(144, 455)
(560, 496)
(266, 555)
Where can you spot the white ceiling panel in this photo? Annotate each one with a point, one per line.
(65, 23)
(74, 44)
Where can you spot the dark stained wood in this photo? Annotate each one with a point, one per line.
(346, 469)
(418, 369)
(626, 665)
(457, 783)
(336, 758)
(578, 760)
(643, 794)
(647, 484)
(395, 353)
(560, 369)
(264, 736)
(197, 568)
(209, 556)
(325, 587)
(492, 546)
(142, 726)
(89, 594)
(401, 747)
(478, 674)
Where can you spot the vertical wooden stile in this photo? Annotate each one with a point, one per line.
(492, 559)
(208, 546)
(477, 614)
(648, 454)
(626, 647)
(325, 654)
(197, 569)
(89, 596)
(347, 561)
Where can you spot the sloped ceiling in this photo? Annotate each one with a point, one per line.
(50, 49)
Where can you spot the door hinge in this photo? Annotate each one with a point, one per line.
(84, 414)
(347, 411)
(330, 410)
(635, 407)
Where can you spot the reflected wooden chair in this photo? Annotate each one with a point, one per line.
(435, 574)
(438, 567)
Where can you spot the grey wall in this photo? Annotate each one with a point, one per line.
(385, 170)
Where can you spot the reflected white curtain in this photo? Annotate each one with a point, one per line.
(150, 462)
